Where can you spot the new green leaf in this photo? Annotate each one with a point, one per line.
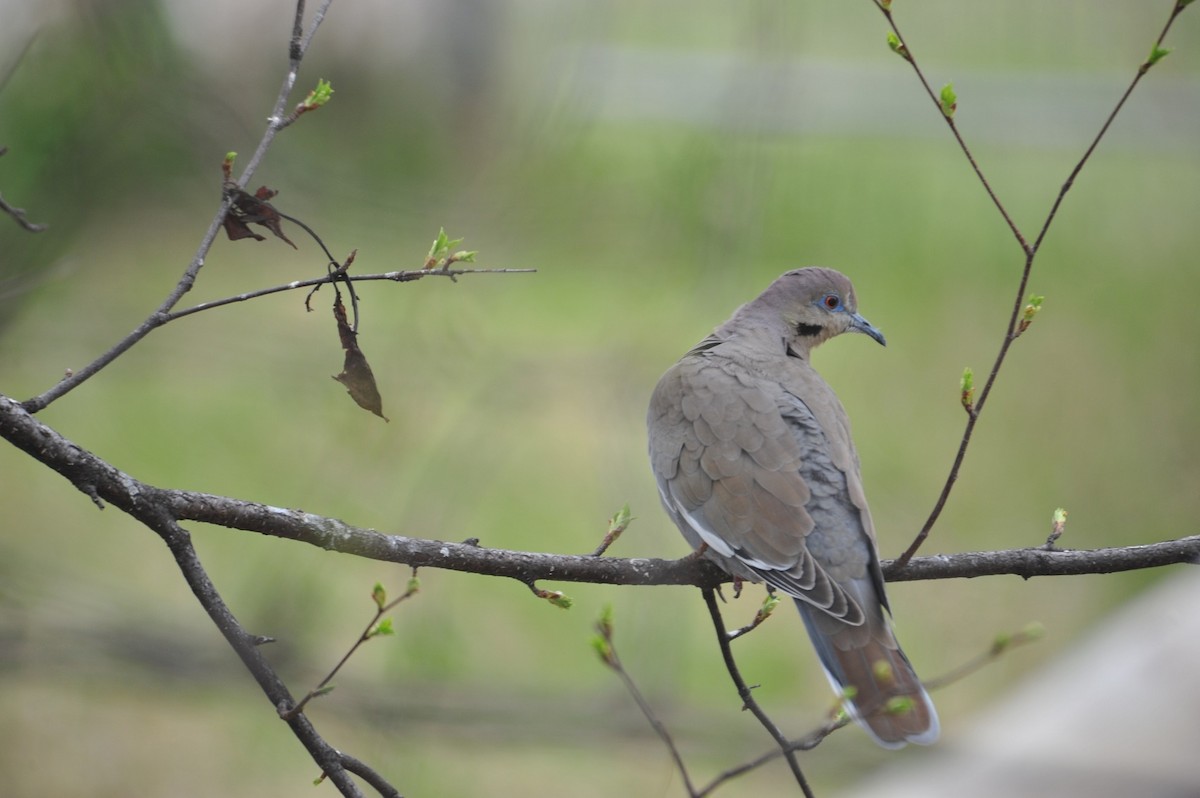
(384, 627)
(898, 46)
(949, 100)
(320, 95)
(967, 389)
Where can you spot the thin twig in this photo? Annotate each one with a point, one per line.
(244, 644)
(295, 48)
(368, 632)
(612, 660)
(336, 272)
(1012, 331)
(1142, 70)
(764, 611)
(616, 525)
(887, 13)
(16, 62)
(275, 122)
(1000, 646)
(806, 743)
(397, 276)
(18, 214)
(748, 702)
(188, 279)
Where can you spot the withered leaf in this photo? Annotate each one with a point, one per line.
(248, 209)
(236, 229)
(356, 375)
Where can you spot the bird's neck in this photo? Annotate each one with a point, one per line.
(760, 343)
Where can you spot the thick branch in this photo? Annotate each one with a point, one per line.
(152, 514)
(1028, 563)
(101, 481)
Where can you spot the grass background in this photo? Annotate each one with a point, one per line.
(517, 402)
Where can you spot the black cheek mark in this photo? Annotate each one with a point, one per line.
(808, 329)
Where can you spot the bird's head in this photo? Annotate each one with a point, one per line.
(809, 306)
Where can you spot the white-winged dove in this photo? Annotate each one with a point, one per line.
(754, 462)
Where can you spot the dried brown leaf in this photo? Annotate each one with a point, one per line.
(248, 209)
(356, 375)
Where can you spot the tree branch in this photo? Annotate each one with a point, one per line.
(101, 481)
(837, 720)
(607, 649)
(18, 214)
(396, 277)
(369, 775)
(152, 513)
(1014, 328)
(744, 692)
(160, 316)
(906, 53)
(1027, 563)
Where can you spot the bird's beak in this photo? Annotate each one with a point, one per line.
(859, 324)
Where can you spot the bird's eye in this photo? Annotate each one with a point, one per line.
(832, 301)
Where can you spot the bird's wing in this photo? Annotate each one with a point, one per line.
(742, 467)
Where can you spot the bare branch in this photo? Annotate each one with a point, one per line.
(607, 649)
(188, 279)
(1000, 646)
(806, 743)
(748, 702)
(1013, 329)
(152, 513)
(369, 775)
(396, 277)
(296, 52)
(885, 9)
(1027, 563)
(1176, 9)
(97, 478)
(18, 214)
(369, 631)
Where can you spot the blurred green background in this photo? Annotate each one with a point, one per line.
(658, 164)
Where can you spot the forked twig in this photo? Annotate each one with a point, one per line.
(396, 276)
(372, 629)
(1013, 329)
(744, 692)
(1000, 646)
(906, 54)
(296, 51)
(244, 644)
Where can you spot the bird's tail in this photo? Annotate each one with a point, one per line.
(865, 663)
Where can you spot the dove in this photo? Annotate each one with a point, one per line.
(754, 461)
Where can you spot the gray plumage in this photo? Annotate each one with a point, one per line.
(754, 461)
